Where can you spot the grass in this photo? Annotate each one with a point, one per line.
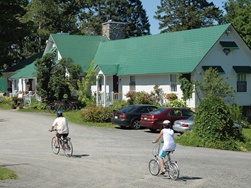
(7, 174)
(75, 117)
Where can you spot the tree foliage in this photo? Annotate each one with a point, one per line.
(186, 86)
(44, 67)
(83, 85)
(49, 17)
(213, 120)
(177, 15)
(94, 13)
(238, 13)
(213, 84)
(12, 31)
(53, 79)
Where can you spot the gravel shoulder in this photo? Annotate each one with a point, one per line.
(105, 157)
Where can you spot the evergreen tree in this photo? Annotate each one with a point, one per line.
(131, 12)
(12, 31)
(238, 13)
(49, 17)
(177, 15)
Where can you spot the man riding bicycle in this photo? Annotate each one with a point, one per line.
(169, 143)
(61, 124)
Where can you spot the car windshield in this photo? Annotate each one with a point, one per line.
(158, 111)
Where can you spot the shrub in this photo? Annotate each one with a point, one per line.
(214, 124)
(238, 117)
(118, 104)
(98, 114)
(171, 96)
(132, 97)
(143, 98)
(177, 103)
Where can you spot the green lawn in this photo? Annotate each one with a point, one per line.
(7, 174)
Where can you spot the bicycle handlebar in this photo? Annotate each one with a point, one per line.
(52, 130)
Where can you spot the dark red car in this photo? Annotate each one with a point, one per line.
(154, 119)
(129, 116)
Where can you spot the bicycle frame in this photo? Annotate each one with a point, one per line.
(171, 167)
(64, 144)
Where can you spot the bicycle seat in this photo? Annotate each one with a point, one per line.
(170, 151)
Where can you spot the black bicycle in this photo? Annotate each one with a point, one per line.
(171, 167)
(64, 144)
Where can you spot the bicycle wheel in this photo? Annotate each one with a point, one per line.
(174, 171)
(55, 149)
(154, 167)
(68, 148)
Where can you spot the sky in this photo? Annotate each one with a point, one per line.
(151, 7)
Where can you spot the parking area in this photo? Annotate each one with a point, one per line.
(106, 157)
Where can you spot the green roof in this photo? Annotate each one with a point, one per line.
(26, 72)
(24, 63)
(81, 49)
(172, 52)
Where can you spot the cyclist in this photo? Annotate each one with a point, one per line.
(61, 124)
(169, 143)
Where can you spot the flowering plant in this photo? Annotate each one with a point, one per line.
(171, 96)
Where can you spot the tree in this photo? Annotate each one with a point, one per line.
(62, 73)
(52, 78)
(94, 13)
(213, 85)
(238, 13)
(49, 17)
(44, 68)
(213, 121)
(177, 15)
(12, 31)
(186, 86)
(83, 89)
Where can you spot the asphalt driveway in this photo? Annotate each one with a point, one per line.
(105, 157)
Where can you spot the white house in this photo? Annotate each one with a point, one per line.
(140, 63)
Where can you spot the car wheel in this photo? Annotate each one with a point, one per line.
(136, 124)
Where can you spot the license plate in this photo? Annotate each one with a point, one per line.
(145, 118)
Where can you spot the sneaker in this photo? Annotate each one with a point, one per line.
(162, 173)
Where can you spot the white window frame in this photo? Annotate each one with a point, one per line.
(241, 82)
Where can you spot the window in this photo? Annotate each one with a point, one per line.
(100, 81)
(241, 83)
(173, 81)
(132, 83)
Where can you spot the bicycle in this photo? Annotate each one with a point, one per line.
(171, 167)
(64, 144)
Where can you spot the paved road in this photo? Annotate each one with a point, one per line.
(107, 158)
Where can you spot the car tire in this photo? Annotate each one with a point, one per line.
(135, 124)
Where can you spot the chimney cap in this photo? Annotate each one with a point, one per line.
(110, 21)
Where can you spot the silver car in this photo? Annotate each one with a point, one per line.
(184, 125)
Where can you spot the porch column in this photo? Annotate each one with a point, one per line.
(97, 93)
(104, 90)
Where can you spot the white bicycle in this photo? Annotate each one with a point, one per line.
(171, 167)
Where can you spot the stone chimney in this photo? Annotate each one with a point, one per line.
(113, 30)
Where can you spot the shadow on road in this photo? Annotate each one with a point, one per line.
(186, 178)
(79, 156)
(14, 164)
